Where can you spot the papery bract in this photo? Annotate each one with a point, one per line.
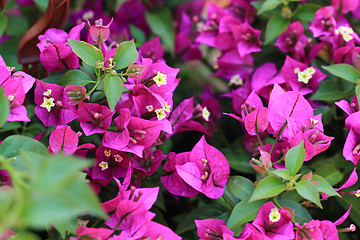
(207, 171)
(279, 228)
(207, 229)
(94, 118)
(172, 181)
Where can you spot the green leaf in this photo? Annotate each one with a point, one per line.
(331, 173)
(344, 71)
(59, 191)
(11, 146)
(3, 23)
(240, 187)
(74, 77)
(125, 54)
(306, 11)
(283, 173)
(268, 187)
(277, 24)
(308, 191)
(323, 186)
(138, 35)
(113, 87)
(161, 24)
(187, 220)
(4, 107)
(244, 212)
(268, 5)
(301, 214)
(333, 90)
(357, 92)
(88, 53)
(294, 158)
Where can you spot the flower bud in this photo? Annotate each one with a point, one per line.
(76, 94)
(99, 32)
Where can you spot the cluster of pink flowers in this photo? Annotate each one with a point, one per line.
(272, 223)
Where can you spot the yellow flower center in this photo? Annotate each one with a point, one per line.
(47, 93)
(118, 158)
(107, 152)
(167, 107)
(150, 108)
(160, 113)
(236, 80)
(345, 32)
(104, 165)
(306, 75)
(48, 103)
(274, 215)
(11, 98)
(160, 79)
(205, 114)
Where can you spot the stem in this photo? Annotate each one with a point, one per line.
(96, 85)
(281, 159)
(277, 137)
(276, 203)
(226, 197)
(258, 138)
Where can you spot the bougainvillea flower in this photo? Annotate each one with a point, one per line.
(274, 223)
(134, 134)
(58, 57)
(55, 54)
(130, 12)
(344, 6)
(310, 230)
(150, 161)
(15, 87)
(149, 105)
(92, 233)
(209, 229)
(172, 181)
(291, 108)
(52, 107)
(279, 151)
(251, 233)
(64, 140)
(181, 118)
(51, 36)
(98, 32)
(348, 108)
(152, 49)
(328, 230)
(247, 39)
(206, 171)
(301, 78)
(287, 41)
(324, 22)
(352, 122)
(351, 151)
(347, 55)
(263, 79)
(94, 118)
(76, 94)
(110, 164)
(315, 142)
(211, 28)
(231, 65)
(264, 164)
(256, 121)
